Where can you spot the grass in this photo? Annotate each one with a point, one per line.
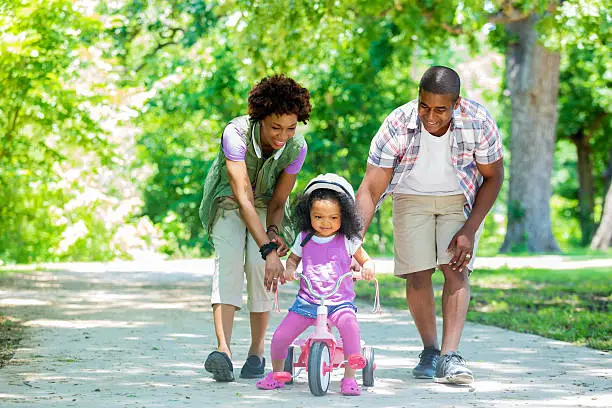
(570, 305)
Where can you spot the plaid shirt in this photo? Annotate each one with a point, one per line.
(475, 139)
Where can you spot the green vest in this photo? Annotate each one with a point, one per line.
(264, 173)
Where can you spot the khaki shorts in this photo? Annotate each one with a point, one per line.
(236, 257)
(423, 226)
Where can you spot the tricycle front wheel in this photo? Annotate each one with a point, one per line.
(319, 362)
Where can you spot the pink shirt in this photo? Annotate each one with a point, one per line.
(323, 264)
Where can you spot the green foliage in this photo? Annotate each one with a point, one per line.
(44, 119)
(110, 120)
(568, 305)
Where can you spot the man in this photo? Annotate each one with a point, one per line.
(441, 159)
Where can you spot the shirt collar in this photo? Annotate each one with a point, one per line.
(457, 121)
(256, 138)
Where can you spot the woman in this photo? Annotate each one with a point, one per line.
(243, 206)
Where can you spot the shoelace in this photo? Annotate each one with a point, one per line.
(454, 358)
(427, 356)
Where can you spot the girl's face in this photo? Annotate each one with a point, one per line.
(276, 130)
(325, 217)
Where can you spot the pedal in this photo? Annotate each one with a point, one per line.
(356, 361)
(282, 376)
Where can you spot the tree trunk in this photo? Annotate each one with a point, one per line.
(603, 237)
(585, 189)
(533, 80)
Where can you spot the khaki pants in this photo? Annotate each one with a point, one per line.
(236, 257)
(423, 227)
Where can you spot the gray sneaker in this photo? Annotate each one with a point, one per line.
(452, 370)
(428, 359)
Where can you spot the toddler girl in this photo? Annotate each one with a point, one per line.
(330, 227)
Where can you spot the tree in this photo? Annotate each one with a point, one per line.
(359, 59)
(585, 104)
(44, 119)
(532, 78)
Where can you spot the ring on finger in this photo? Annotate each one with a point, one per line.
(468, 256)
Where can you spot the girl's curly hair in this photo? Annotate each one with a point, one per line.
(280, 95)
(351, 223)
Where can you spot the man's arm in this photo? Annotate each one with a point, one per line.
(372, 187)
(462, 243)
(493, 175)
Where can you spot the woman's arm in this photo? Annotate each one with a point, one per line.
(276, 208)
(243, 193)
(367, 264)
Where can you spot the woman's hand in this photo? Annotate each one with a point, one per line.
(274, 271)
(367, 270)
(282, 245)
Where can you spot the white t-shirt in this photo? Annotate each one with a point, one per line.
(433, 173)
(352, 245)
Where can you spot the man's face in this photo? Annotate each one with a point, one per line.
(436, 111)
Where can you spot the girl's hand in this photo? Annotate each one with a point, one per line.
(289, 275)
(367, 270)
(355, 267)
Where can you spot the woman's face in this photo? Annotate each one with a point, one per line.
(325, 217)
(276, 130)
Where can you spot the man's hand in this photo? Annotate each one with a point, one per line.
(462, 247)
(274, 271)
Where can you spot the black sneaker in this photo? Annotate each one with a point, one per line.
(428, 359)
(220, 366)
(253, 367)
(452, 370)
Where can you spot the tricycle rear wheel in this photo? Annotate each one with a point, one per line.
(289, 363)
(368, 370)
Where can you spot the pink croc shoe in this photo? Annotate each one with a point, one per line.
(348, 386)
(269, 383)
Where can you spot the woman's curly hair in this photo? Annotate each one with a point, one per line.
(351, 222)
(280, 95)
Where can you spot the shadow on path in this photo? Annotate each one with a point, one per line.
(139, 339)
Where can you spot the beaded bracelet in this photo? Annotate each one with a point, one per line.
(265, 249)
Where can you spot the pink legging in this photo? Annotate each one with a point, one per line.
(294, 324)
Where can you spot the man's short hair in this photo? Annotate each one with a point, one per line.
(442, 81)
